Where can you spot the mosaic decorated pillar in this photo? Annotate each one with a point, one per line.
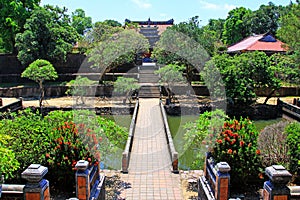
(222, 181)
(276, 188)
(36, 188)
(82, 180)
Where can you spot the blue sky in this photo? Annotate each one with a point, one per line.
(179, 10)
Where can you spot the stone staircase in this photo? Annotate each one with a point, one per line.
(148, 81)
(151, 33)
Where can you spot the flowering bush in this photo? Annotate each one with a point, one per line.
(67, 147)
(237, 145)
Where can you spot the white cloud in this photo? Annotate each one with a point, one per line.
(209, 6)
(142, 4)
(229, 7)
(212, 6)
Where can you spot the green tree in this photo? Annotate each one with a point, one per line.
(208, 36)
(13, 16)
(100, 32)
(81, 22)
(40, 71)
(183, 50)
(77, 88)
(171, 75)
(289, 30)
(112, 23)
(48, 35)
(264, 20)
(235, 26)
(120, 48)
(285, 68)
(242, 74)
(126, 86)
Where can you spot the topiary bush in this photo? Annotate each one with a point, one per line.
(272, 141)
(236, 144)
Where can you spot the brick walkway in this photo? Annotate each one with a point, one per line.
(150, 175)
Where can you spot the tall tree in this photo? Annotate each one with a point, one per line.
(13, 16)
(112, 23)
(81, 22)
(48, 35)
(235, 27)
(289, 30)
(100, 32)
(265, 19)
(241, 74)
(120, 48)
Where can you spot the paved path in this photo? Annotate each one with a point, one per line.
(150, 175)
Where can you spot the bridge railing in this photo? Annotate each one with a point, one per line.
(12, 107)
(172, 150)
(290, 110)
(128, 147)
(214, 184)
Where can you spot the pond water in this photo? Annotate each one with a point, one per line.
(114, 161)
(121, 120)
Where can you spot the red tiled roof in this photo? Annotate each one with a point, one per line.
(258, 43)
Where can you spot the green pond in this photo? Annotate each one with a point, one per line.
(121, 120)
(176, 124)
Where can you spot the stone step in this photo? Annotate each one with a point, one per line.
(149, 92)
(148, 81)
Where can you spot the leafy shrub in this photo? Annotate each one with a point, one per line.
(237, 145)
(29, 132)
(8, 162)
(293, 141)
(53, 140)
(273, 146)
(200, 134)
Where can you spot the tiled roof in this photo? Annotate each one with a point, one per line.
(263, 42)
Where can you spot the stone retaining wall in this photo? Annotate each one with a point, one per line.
(106, 90)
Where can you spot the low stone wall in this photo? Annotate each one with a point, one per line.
(128, 147)
(281, 92)
(172, 150)
(202, 90)
(106, 90)
(55, 91)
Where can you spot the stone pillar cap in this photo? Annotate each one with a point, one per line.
(278, 174)
(82, 165)
(223, 167)
(34, 173)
